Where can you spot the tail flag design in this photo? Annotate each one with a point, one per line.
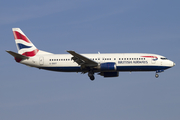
(24, 45)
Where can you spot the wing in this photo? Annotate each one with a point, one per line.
(82, 60)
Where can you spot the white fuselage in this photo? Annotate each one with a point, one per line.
(123, 61)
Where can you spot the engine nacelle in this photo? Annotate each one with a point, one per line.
(109, 74)
(109, 66)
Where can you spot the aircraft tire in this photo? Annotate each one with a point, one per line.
(156, 75)
(92, 78)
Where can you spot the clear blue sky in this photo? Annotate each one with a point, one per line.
(89, 26)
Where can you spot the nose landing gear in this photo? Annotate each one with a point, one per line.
(158, 71)
(156, 75)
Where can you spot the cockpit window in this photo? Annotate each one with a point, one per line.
(163, 58)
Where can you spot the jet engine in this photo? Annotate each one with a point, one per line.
(106, 67)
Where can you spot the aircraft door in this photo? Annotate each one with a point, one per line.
(41, 60)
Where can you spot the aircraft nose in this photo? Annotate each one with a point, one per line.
(174, 64)
(171, 63)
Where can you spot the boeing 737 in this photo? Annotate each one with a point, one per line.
(107, 65)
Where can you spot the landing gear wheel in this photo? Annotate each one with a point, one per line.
(91, 75)
(156, 75)
(92, 78)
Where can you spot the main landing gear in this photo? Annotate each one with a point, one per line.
(91, 75)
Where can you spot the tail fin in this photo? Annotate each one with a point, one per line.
(24, 45)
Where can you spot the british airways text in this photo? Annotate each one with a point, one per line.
(132, 62)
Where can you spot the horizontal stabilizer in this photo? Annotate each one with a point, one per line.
(16, 55)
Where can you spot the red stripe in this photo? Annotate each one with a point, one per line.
(31, 54)
(149, 56)
(18, 35)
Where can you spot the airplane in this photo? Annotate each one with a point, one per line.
(106, 65)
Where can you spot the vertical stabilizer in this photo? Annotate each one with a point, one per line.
(24, 45)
